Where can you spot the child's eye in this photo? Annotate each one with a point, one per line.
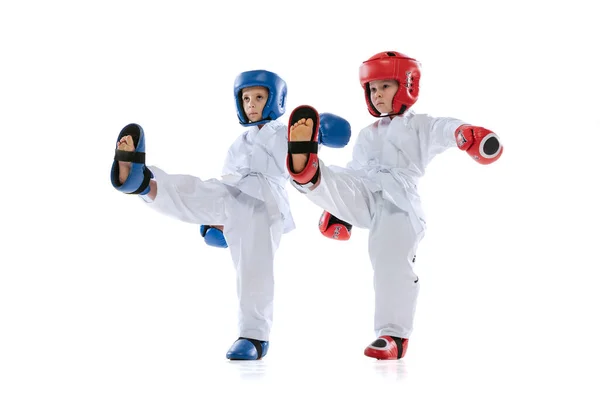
(246, 98)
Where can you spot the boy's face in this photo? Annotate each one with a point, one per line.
(382, 94)
(254, 99)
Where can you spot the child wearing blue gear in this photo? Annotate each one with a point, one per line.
(246, 210)
(249, 202)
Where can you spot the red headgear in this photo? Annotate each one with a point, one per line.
(399, 67)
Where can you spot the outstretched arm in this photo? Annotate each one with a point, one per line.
(443, 133)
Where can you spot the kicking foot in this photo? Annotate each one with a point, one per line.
(303, 145)
(125, 144)
(302, 131)
(128, 173)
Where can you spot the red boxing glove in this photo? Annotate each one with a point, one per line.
(481, 144)
(334, 228)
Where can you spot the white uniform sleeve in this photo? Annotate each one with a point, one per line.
(436, 134)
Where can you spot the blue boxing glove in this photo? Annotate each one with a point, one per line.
(334, 131)
(138, 180)
(213, 236)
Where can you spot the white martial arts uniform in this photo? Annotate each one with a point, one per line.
(251, 201)
(378, 191)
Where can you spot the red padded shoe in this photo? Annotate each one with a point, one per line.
(387, 348)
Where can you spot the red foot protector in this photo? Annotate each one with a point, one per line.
(386, 348)
(310, 171)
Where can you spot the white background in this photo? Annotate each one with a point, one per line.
(101, 298)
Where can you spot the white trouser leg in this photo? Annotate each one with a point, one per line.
(392, 245)
(344, 195)
(190, 199)
(253, 244)
(392, 248)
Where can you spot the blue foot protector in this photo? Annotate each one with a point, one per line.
(213, 236)
(138, 181)
(248, 349)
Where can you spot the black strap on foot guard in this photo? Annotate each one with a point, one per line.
(256, 344)
(145, 182)
(135, 131)
(130, 156)
(399, 342)
(310, 146)
(303, 147)
(306, 147)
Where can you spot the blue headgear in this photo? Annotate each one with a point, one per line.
(275, 106)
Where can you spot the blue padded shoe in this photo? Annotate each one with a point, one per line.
(247, 349)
